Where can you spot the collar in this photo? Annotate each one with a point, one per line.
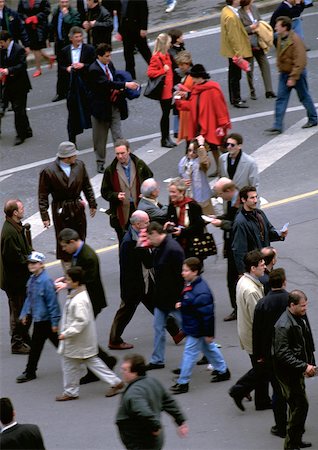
(150, 200)
(235, 10)
(77, 291)
(76, 48)
(251, 277)
(17, 225)
(78, 250)
(288, 4)
(12, 424)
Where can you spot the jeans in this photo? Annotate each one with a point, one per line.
(160, 322)
(192, 348)
(298, 27)
(283, 94)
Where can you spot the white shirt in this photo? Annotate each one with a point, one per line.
(235, 10)
(9, 49)
(76, 53)
(66, 168)
(8, 426)
(105, 69)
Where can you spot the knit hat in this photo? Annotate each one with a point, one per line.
(66, 149)
(198, 71)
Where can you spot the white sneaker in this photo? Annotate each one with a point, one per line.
(209, 367)
(172, 6)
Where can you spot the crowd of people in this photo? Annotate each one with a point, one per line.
(162, 248)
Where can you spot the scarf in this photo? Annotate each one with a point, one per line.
(182, 209)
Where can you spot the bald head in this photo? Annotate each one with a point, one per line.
(270, 256)
(14, 209)
(225, 188)
(139, 220)
(150, 188)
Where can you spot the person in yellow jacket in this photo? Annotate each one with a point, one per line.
(234, 42)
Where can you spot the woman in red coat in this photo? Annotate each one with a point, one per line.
(160, 64)
(209, 116)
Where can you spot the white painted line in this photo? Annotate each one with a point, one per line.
(4, 177)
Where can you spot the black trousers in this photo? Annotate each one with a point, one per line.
(164, 122)
(232, 278)
(21, 120)
(132, 39)
(19, 332)
(279, 403)
(234, 78)
(62, 83)
(41, 332)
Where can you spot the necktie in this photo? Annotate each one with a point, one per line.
(107, 73)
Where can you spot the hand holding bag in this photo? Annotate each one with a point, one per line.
(203, 246)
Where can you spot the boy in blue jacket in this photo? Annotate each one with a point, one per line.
(41, 305)
(197, 310)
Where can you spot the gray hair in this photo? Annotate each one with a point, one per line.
(138, 216)
(75, 30)
(179, 183)
(148, 186)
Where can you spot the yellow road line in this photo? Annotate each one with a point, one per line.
(268, 205)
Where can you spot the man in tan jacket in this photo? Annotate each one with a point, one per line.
(234, 42)
(291, 63)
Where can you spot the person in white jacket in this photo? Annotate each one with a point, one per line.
(78, 341)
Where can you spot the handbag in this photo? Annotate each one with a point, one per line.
(154, 87)
(203, 246)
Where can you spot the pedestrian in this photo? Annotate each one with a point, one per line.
(75, 59)
(41, 306)
(133, 29)
(121, 186)
(238, 165)
(227, 190)
(250, 18)
(15, 248)
(149, 203)
(168, 258)
(11, 21)
(184, 219)
(161, 64)
(78, 341)
(16, 435)
(14, 77)
(65, 179)
(197, 311)
(139, 413)
(98, 24)
(293, 356)
(193, 168)
(292, 9)
(234, 42)
(267, 311)
(249, 291)
(34, 14)
(270, 258)
(209, 116)
(252, 229)
(291, 62)
(64, 17)
(106, 111)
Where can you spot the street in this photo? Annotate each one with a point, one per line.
(288, 165)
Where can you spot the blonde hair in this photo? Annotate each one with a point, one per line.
(183, 57)
(162, 43)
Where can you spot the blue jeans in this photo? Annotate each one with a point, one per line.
(283, 94)
(192, 348)
(298, 27)
(160, 322)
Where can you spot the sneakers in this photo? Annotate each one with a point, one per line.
(23, 349)
(179, 388)
(171, 7)
(114, 390)
(218, 376)
(25, 376)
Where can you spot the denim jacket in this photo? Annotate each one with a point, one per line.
(41, 301)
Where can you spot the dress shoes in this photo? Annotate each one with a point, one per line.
(29, 133)
(273, 131)
(37, 73)
(172, 142)
(100, 167)
(166, 143)
(152, 366)
(179, 388)
(178, 337)
(23, 349)
(253, 96)
(114, 390)
(203, 361)
(305, 444)
(270, 94)
(277, 432)
(65, 398)
(90, 377)
(120, 346)
(57, 98)
(25, 376)
(18, 140)
(218, 376)
(240, 104)
(176, 371)
(237, 397)
(230, 317)
(310, 125)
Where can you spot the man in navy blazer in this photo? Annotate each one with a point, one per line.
(15, 435)
(13, 70)
(105, 108)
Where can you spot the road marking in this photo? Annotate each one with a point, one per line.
(268, 205)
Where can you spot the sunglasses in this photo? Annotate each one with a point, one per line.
(229, 144)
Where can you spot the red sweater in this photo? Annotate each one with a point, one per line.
(155, 69)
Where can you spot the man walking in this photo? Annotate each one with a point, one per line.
(139, 414)
(14, 273)
(64, 180)
(291, 63)
(121, 186)
(251, 229)
(293, 357)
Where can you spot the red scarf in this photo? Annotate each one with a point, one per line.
(182, 205)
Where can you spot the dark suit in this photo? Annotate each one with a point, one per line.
(102, 30)
(77, 97)
(105, 114)
(12, 23)
(22, 436)
(17, 86)
(134, 17)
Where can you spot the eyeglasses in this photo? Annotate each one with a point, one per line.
(229, 144)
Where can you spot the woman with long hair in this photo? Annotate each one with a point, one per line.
(161, 64)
